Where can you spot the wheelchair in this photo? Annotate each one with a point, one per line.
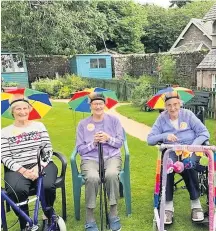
(206, 179)
(57, 223)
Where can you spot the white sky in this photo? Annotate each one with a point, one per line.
(164, 3)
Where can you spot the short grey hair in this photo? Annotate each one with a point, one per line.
(15, 101)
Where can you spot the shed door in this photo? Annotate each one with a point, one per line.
(84, 68)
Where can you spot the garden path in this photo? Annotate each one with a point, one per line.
(131, 127)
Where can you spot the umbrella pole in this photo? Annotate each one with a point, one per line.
(102, 187)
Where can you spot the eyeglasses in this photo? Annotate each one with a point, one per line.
(98, 104)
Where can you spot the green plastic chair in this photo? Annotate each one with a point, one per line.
(78, 181)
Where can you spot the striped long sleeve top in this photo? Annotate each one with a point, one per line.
(19, 145)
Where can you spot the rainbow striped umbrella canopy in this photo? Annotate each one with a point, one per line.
(39, 101)
(79, 101)
(157, 101)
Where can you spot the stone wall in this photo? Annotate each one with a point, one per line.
(133, 65)
(137, 65)
(46, 66)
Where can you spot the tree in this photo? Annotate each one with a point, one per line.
(125, 25)
(51, 27)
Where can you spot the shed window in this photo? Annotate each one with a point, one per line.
(97, 63)
(102, 63)
(12, 63)
(93, 63)
(6, 63)
(18, 63)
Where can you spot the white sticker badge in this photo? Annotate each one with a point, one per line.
(90, 127)
(183, 125)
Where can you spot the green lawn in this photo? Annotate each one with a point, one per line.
(149, 118)
(60, 123)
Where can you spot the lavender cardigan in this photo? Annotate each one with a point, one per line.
(191, 129)
(85, 135)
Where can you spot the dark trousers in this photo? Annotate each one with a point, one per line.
(190, 177)
(22, 186)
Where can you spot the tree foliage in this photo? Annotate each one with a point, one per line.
(51, 27)
(167, 69)
(70, 27)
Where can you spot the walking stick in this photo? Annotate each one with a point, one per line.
(102, 187)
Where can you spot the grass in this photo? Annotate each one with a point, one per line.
(148, 118)
(61, 124)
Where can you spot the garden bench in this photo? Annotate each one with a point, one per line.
(199, 104)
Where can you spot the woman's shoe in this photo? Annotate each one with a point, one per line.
(115, 224)
(91, 226)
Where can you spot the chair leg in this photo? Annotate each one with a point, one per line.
(125, 180)
(64, 208)
(177, 182)
(127, 194)
(121, 189)
(77, 195)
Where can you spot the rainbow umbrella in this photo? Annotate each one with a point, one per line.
(39, 101)
(79, 101)
(157, 101)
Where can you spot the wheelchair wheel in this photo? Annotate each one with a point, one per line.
(61, 224)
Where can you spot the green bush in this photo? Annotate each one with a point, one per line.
(64, 93)
(60, 87)
(74, 82)
(142, 93)
(50, 86)
(167, 69)
(9, 84)
(153, 80)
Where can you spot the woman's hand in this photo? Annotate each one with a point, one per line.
(35, 172)
(103, 137)
(172, 138)
(96, 138)
(29, 173)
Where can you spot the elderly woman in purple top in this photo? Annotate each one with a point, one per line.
(106, 129)
(180, 126)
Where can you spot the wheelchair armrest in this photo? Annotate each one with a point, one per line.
(63, 162)
(206, 142)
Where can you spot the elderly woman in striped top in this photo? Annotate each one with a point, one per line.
(20, 142)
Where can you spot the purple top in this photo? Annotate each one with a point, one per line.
(191, 129)
(85, 137)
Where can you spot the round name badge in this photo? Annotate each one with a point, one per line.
(90, 127)
(183, 125)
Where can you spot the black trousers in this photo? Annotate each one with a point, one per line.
(22, 186)
(190, 177)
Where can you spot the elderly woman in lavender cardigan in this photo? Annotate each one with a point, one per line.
(180, 126)
(106, 129)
